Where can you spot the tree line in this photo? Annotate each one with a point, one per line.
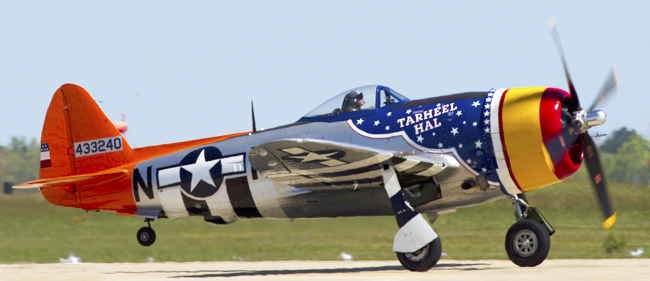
(625, 156)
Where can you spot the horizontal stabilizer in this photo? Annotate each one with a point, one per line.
(101, 176)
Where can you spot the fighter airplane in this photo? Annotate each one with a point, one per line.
(369, 151)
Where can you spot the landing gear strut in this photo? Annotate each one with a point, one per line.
(528, 240)
(416, 244)
(146, 236)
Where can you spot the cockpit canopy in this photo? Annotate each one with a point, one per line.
(353, 102)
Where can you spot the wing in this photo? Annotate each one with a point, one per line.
(316, 164)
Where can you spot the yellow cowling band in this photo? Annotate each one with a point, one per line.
(530, 164)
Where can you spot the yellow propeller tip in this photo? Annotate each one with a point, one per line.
(609, 221)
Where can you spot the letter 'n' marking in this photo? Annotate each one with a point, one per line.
(138, 181)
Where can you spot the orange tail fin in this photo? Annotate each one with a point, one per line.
(77, 136)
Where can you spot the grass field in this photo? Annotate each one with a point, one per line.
(34, 231)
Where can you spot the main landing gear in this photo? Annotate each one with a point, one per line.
(146, 236)
(528, 240)
(416, 244)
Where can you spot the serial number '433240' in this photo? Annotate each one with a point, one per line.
(91, 147)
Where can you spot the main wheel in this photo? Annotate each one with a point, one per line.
(422, 259)
(146, 236)
(527, 243)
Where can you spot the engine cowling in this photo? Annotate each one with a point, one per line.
(535, 145)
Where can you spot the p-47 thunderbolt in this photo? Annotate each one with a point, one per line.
(369, 151)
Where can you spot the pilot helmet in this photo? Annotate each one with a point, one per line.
(351, 99)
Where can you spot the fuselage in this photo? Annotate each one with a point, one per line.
(500, 136)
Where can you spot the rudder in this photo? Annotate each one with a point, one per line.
(77, 136)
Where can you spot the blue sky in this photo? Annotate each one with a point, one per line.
(189, 69)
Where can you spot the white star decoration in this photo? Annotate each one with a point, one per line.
(474, 124)
(484, 169)
(434, 134)
(476, 103)
(487, 113)
(454, 131)
(389, 114)
(439, 145)
(313, 156)
(408, 111)
(459, 113)
(460, 145)
(469, 161)
(360, 121)
(376, 122)
(487, 106)
(486, 121)
(489, 94)
(478, 143)
(420, 138)
(201, 170)
(387, 128)
(488, 99)
(487, 130)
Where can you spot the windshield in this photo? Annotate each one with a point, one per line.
(362, 98)
(388, 96)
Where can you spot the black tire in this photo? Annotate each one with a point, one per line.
(423, 259)
(527, 243)
(146, 236)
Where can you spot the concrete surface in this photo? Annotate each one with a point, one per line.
(620, 269)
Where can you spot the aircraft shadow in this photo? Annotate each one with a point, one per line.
(252, 273)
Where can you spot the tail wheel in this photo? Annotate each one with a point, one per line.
(422, 259)
(527, 243)
(146, 236)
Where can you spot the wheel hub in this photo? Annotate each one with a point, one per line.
(418, 255)
(525, 243)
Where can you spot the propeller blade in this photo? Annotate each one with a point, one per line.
(609, 87)
(253, 113)
(560, 50)
(598, 179)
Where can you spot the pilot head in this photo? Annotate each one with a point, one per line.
(352, 101)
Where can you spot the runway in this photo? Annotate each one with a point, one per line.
(620, 269)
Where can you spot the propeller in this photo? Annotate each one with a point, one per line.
(580, 122)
